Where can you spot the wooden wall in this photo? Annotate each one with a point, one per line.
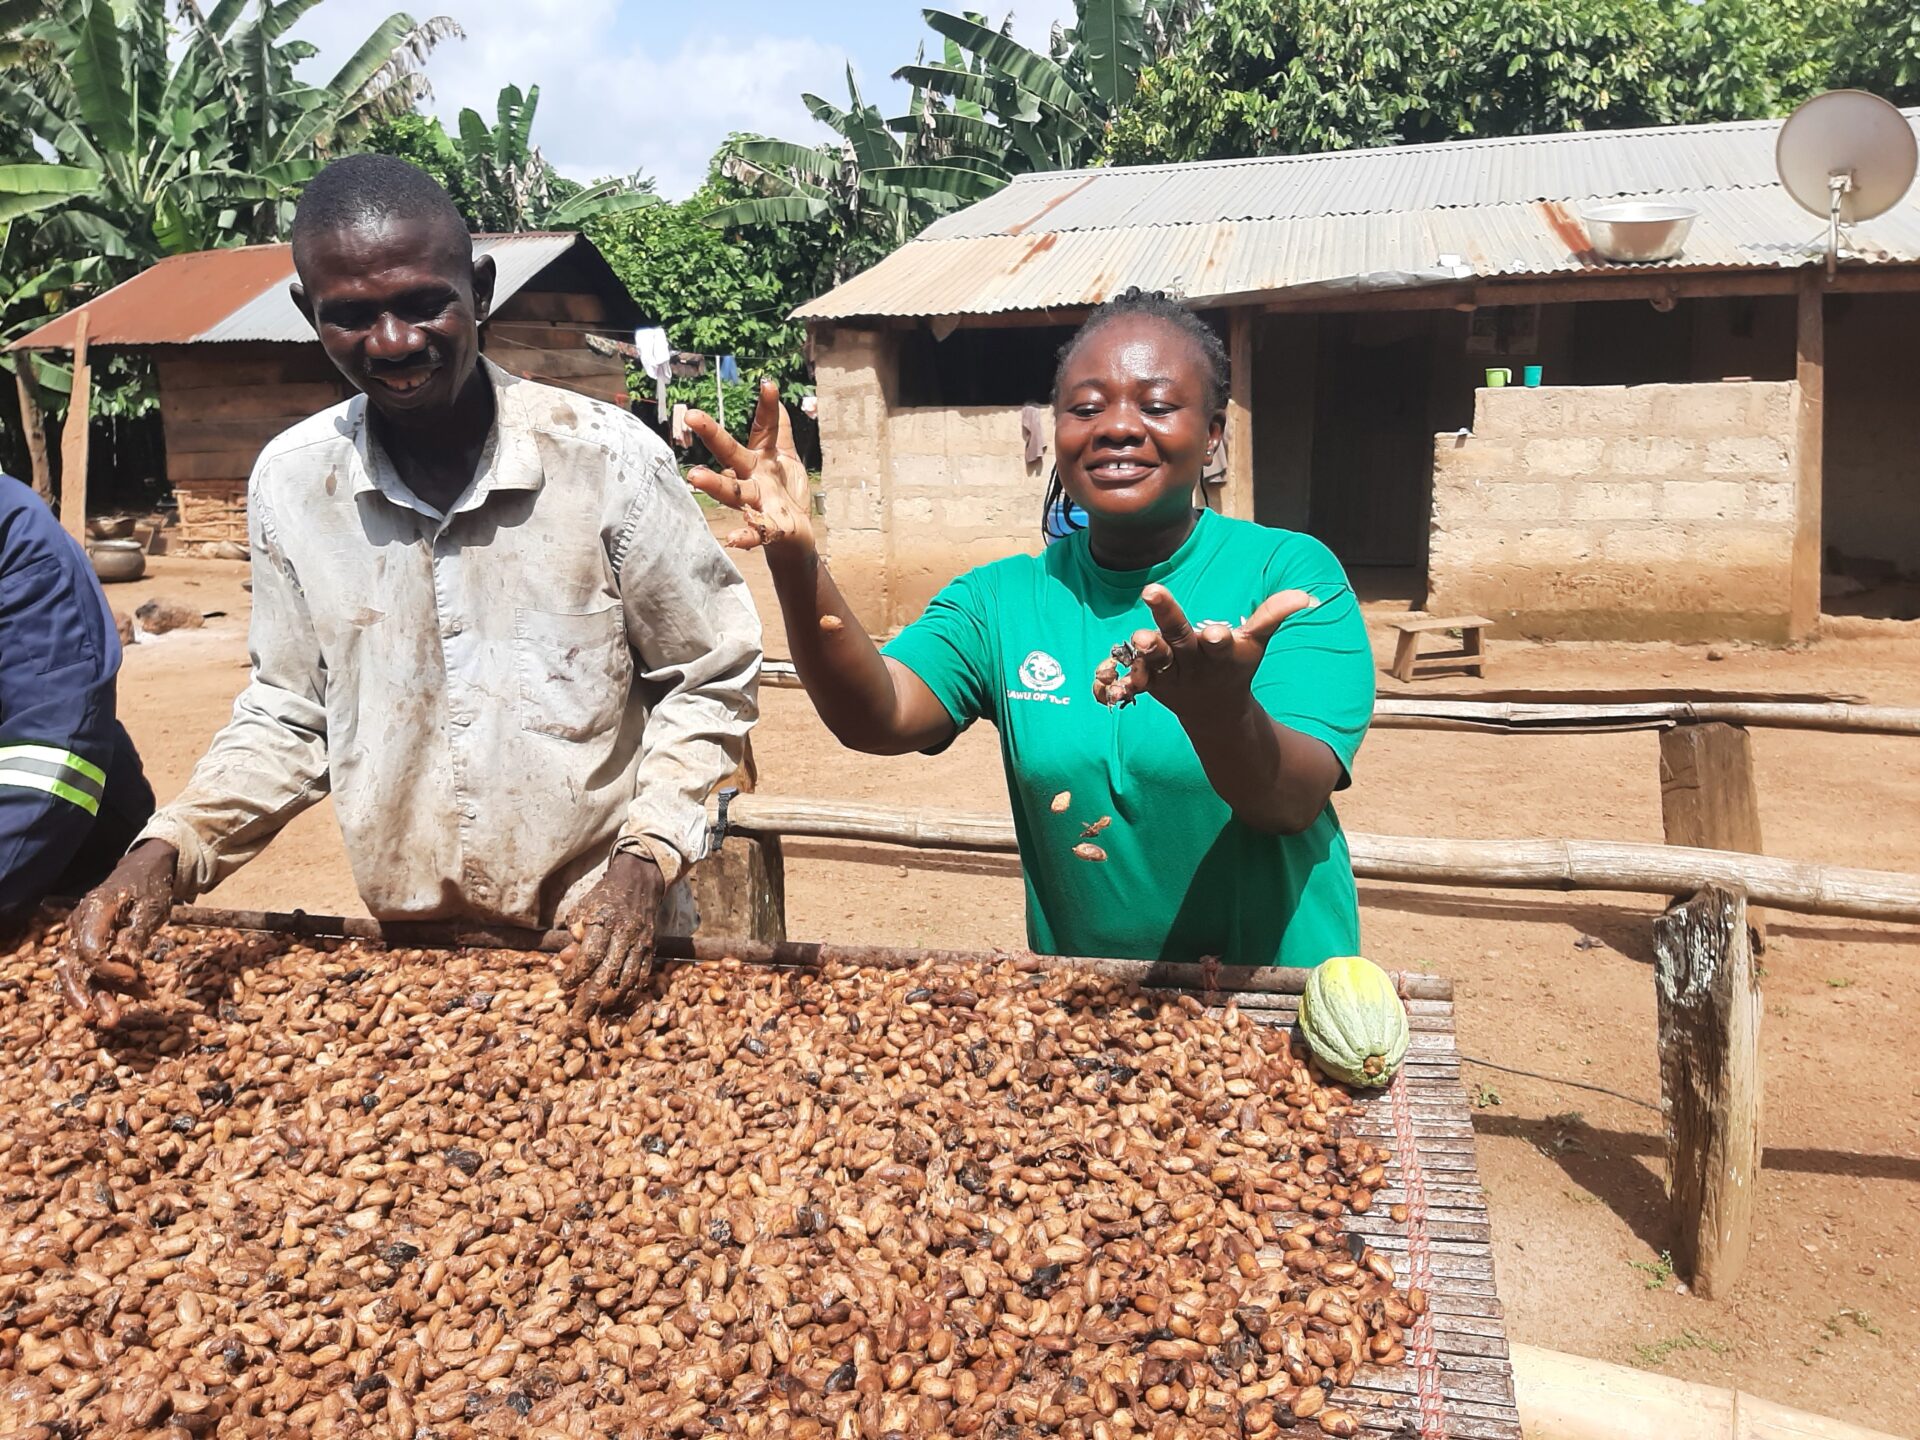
(219, 405)
(541, 335)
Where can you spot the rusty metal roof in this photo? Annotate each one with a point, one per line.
(222, 295)
(1357, 219)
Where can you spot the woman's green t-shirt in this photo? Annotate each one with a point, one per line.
(1016, 643)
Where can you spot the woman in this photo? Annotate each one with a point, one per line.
(1194, 823)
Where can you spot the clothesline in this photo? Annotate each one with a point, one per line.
(626, 351)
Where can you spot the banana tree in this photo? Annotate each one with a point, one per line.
(873, 191)
(520, 189)
(1043, 112)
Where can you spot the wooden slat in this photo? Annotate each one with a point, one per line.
(1470, 1339)
(559, 364)
(1421, 624)
(198, 437)
(208, 368)
(553, 305)
(545, 335)
(1421, 860)
(290, 402)
(212, 465)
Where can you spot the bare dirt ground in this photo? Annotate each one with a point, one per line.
(1826, 1317)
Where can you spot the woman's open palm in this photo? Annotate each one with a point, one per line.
(763, 479)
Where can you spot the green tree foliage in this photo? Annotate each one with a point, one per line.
(132, 135)
(717, 292)
(866, 195)
(989, 109)
(496, 175)
(1256, 77)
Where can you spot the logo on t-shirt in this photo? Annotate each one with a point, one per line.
(1040, 671)
(1040, 676)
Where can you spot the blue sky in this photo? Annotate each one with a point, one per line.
(642, 85)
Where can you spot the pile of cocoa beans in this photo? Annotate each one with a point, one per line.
(339, 1190)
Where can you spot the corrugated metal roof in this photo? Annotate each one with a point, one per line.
(1361, 219)
(222, 295)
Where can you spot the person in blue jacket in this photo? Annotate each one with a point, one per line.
(72, 793)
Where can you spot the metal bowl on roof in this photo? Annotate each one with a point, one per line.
(1639, 232)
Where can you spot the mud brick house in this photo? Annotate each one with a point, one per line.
(236, 363)
(1708, 428)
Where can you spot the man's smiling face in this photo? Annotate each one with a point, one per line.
(397, 303)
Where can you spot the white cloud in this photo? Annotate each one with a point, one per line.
(609, 105)
(662, 97)
(1033, 22)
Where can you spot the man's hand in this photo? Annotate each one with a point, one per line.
(763, 479)
(612, 951)
(111, 929)
(1194, 672)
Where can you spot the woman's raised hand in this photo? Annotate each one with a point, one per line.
(763, 479)
(1189, 670)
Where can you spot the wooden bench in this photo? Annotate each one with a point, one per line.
(1408, 662)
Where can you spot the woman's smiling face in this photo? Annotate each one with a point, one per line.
(1134, 421)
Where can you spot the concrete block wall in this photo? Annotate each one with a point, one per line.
(963, 495)
(854, 373)
(1620, 512)
(913, 496)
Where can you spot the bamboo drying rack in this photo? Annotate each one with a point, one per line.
(1457, 1380)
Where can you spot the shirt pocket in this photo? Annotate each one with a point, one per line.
(51, 631)
(576, 671)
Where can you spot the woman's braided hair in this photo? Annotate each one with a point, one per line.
(1128, 304)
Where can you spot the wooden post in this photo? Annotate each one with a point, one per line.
(1708, 800)
(34, 424)
(1708, 1003)
(741, 887)
(1237, 500)
(73, 440)
(1803, 612)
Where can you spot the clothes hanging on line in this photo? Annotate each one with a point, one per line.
(656, 359)
(729, 370)
(682, 436)
(810, 406)
(1034, 423)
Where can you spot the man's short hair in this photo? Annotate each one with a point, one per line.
(359, 188)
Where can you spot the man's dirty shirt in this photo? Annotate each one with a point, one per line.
(498, 698)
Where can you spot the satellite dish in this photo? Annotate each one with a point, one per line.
(1847, 156)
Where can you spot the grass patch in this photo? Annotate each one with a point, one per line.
(1485, 1096)
(1836, 1323)
(1658, 1272)
(1659, 1351)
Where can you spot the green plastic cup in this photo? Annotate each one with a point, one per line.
(1497, 379)
(1531, 375)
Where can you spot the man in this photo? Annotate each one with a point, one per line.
(71, 790)
(487, 616)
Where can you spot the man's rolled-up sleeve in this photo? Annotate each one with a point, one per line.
(270, 762)
(693, 626)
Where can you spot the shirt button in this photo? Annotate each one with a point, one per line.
(471, 813)
(463, 720)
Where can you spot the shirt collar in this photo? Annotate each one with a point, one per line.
(510, 459)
